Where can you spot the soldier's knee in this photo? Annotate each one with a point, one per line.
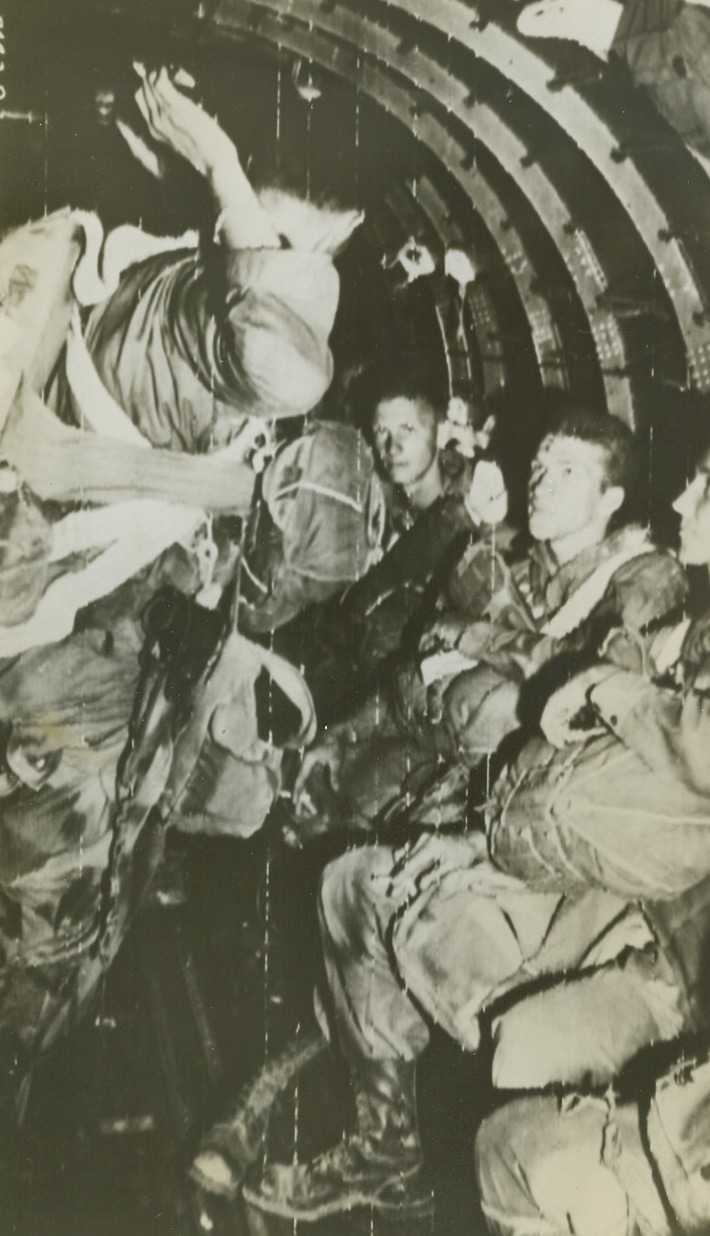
(442, 991)
(499, 1184)
(569, 1186)
(350, 890)
(532, 1159)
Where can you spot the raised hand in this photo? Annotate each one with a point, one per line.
(181, 124)
(186, 128)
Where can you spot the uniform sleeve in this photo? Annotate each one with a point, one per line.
(419, 553)
(670, 732)
(256, 325)
(647, 589)
(640, 594)
(508, 645)
(599, 813)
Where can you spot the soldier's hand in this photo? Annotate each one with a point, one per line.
(445, 633)
(180, 123)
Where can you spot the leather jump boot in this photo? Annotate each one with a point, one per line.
(378, 1165)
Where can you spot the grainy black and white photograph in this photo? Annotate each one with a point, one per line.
(354, 618)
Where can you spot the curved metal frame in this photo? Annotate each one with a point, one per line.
(324, 43)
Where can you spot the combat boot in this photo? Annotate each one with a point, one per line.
(378, 1165)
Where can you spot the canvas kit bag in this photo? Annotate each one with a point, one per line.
(198, 697)
(596, 812)
(316, 526)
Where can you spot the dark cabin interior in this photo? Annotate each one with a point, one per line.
(586, 221)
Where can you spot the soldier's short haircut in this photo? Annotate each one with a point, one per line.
(616, 440)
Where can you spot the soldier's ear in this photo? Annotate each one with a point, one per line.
(612, 500)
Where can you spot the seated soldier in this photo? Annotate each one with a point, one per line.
(435, 931)
(443, 931)
(597, 1165)
(581, 575)
(441, 493)
(431, 514)
(590, 1165)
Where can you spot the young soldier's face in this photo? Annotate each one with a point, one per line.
(568, 487)
(693, 506)
(405, 438)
